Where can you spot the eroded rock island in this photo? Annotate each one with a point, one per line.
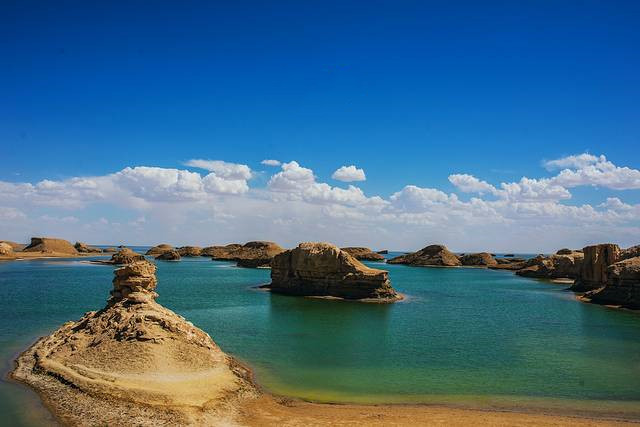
(432, 255)
(324, 270)
(363, 254)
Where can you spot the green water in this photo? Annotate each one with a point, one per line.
(470, 337)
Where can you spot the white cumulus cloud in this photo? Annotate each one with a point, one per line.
(271, 162)
(226, 170)
(349, 174)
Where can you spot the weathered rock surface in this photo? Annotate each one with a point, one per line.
(86, 249)
(622, 287)
(632, 252)
(251, 254)
(432, 255)
(170, 255)
(322, 269)
(125, 256)
(556, 266)
(15, 246)
(159, 249)
(190, 251)
(512, 264)
(220, 252)
(593, 272)
(133, 363)
(362, 253)
(109, 250)
(480, 259)
(50, 245)
(6, 249)
(383, 252)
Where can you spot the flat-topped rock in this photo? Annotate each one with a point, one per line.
(159, 249)
(133, 363)
(363, 254)
(480, 259)
(593, 272)
(432, 255)
(170, 255)
(322, 269)
(50, 245)
(251, 254)
(622, 287)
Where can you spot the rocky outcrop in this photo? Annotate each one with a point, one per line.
(593, 272)
(83, 248)
(125, 256)
(251, 254)
(190, 251)
(170, 255)
(622, 287)
(363, 254)
(383, 252)
(321, 269)
(512, 264)
(50, 245)
(159, 249)
(16, 247)
(133, 363)
(220, 252)
(632, 252)
(110, 250)
(563, 266)
(480, 259)
(6, 250)
(432, 255)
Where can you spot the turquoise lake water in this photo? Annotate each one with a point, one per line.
(464, 336)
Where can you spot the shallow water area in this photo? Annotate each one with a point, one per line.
(463, 336)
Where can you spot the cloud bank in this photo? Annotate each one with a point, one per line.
(147, 205)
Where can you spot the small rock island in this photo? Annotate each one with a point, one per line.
(133, 362)
(324, 270)
(432, 255)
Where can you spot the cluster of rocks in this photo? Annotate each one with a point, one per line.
(252, 254)
(83, 248)
(123, 256)
(323, 270)
(564, 264)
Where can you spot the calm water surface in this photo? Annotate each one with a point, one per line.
(464, 336)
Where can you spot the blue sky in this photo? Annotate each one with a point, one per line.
(411, 92)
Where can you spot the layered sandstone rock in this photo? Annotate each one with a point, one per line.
(363, 254)
(50, 245)
(125, 256)
(86, 249)
(512, 264)
(159, 249)
(632, 252)
(593, 272)
(321, 269)
(432, 255)
(189, 251)
(622, 287)
(133, 363)
(558, 266)
(251, 254)
(170, 255)
(480, 259)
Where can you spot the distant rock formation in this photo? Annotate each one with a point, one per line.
(6, 250)
(383, 252)
(86, 249)
(125, 256)
(159, 249)
(133, 363)
(622, 287)
(513, 264)
(50, 245)
(16, 247)
(480, 259)
(432, 255)
(593, 272)
(109, 250)
(363, 254)
(220, 252)
(632, 252)
(190, 251)
(558, 266)
(321, 269)
(508, 255)
(170, 255)
(251, 254)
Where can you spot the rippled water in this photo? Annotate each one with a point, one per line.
(464, 336)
